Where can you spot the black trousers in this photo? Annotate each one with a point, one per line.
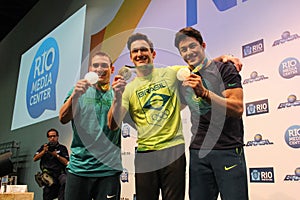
(221, 172)
(57, 190)
(96, 188)
(160, 170)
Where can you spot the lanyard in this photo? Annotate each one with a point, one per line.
(199, 67)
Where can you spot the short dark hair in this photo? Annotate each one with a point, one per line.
(139, 36)
(101, 53)
(52, 129)
(187, 32)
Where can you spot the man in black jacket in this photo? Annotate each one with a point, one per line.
(54, 159)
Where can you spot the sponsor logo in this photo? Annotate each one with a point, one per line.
(254, 77)
(293, 177)
(258, 141)
(257, 107)
(253, 48)
(125, 130)
(285, 37)
(261, 175)
(231, 84)
(229, 168)
(124, 176)
(292, 136)
(289, 68)
(291, 101)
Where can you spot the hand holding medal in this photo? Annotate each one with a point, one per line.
(91, 77)
(183, 73)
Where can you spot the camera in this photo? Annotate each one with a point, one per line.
(52, 146)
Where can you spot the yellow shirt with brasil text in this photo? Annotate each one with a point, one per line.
(154, 105)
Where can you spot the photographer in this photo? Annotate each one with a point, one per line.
(54, 159)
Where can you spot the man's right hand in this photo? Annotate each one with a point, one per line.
(116, 113)
(118, 86)
(81, 87)
(45, 148)
(68, 109)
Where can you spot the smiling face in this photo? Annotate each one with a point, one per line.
(102, 66)
(141, 54)
(191, 51)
